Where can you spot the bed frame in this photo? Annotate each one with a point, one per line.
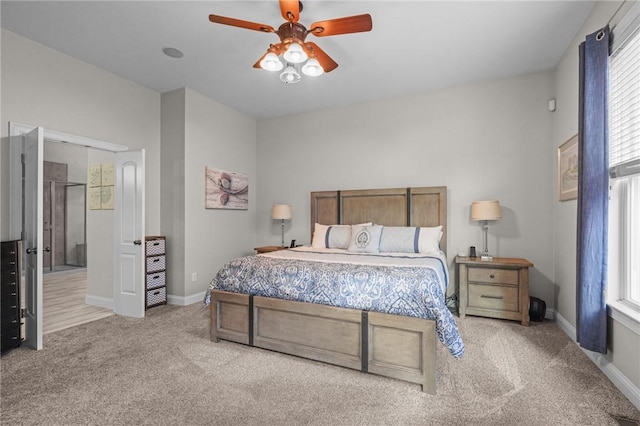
(389, 345)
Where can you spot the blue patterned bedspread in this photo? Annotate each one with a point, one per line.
(410, 291)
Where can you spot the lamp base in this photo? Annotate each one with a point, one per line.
(486, 257)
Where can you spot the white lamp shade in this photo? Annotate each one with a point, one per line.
(312, 68)
(281, 211)
(295, 54)
(271, 62)
(486, 210)
(290, 75)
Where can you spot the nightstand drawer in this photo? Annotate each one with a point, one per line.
(503, 298)
(493, 275)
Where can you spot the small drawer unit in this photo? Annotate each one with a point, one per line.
(155, 271)
(10, 335)
(497, 288)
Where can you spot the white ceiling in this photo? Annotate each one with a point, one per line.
(414, 46)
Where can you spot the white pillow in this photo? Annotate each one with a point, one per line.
(331, 236)
(410, 239)
(365, 238)
(399, 239)
(429, 240)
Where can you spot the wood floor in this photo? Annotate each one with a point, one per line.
(64, 305)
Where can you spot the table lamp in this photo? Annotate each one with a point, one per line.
(282, 212)
(485, 211)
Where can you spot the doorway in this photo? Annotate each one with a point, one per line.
(26, 182)
(65, 267)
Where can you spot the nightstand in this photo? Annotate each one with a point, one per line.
(497, 288)
(267, 249)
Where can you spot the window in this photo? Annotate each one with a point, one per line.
(624, 166)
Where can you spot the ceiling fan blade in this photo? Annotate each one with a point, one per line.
(346, 25)
(242, 24)
(325, 60)
(290, 10)
(275, 48)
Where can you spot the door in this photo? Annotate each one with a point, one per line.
(32, 235)
(128, 275)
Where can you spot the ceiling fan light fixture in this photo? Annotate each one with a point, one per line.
(295, 54)
(312, 68)
(290, 75)
(271, 62)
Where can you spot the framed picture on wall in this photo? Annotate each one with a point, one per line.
(568, 170)
(225, 189)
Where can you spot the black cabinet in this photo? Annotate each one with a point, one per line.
(10, 271)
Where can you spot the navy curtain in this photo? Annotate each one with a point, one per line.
(593, 193)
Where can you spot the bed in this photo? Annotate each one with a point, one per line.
(342, 305)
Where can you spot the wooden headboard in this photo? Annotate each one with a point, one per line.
(423, 206)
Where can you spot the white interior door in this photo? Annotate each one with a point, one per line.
(32, 236)
(128, 286)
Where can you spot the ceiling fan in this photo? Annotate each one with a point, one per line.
(297, 53)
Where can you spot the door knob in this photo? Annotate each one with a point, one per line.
(47, 249)
(32, 250)
(137, 242)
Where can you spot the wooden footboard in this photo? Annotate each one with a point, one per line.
(389, 345)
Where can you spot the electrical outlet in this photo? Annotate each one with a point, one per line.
(194, 277)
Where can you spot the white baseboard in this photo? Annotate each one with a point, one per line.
(626, 386)
(185, 300)
(102, 302)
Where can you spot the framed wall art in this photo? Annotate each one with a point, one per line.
(568, 170)
(226, 190)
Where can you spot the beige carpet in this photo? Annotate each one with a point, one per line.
(163, 370)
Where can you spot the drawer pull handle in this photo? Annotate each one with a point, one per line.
(156, 292)
(156, 277)
(492, 276)
(491, 297)
(156, 244)
(156, 260)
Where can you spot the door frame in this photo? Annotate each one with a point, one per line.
(16, 148)
(15, 166)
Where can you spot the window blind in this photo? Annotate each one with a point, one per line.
(624, 103)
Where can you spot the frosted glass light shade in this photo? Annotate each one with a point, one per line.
(271, 62)
(290, 75)
(312, 68)
(281, 211)
(486, 210)
(295, 54)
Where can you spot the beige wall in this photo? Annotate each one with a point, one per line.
(488, 140)
(624, 344)
(45, 88)
(199, 132)
(172, 219)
